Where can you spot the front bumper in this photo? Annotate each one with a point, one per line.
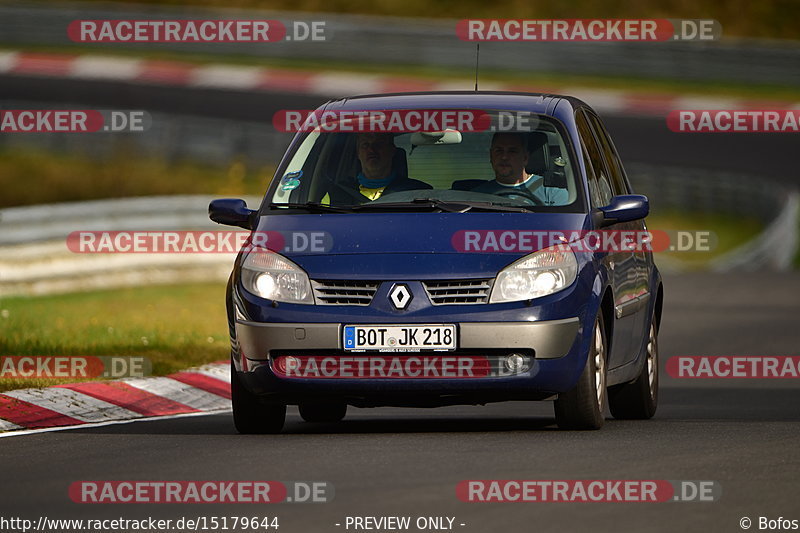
(555, 347)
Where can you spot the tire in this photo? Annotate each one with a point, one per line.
(583, 407)
(638, 400)
(323, 412)
(250, 416)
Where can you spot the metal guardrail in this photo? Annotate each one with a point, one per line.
(775, 247)
(708, 191)
(35, 259)
(429, 42)
(171, 137)
(704, 191)
(47, 222)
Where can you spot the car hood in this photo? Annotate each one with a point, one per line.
(411, 245)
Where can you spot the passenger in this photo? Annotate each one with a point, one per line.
(509, 157)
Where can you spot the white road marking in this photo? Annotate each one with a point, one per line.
(5, 425)
(73, 404)
(180, 392)
(112, 423)
(336, 84)
(8, 60)
(220, 372)
(707, 102)
(602, 100)
(227, 77)
(105, 68)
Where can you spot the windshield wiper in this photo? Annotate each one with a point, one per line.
(431, 203)
(450, 207)
(316, 207)
(491, 206)
(416, 203)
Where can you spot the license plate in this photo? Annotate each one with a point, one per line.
(439, 337)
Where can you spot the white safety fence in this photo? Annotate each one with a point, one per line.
(688, 191)
(774, 248)
(35, 258)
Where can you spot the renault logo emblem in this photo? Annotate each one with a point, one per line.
(400, 296)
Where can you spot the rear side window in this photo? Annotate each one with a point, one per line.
(599, 183)
(618, 182)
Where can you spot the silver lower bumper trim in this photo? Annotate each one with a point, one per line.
(549, 339)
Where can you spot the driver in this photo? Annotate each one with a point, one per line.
(508, 155)
(380, 174)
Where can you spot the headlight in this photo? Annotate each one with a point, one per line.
(272, 276)
(536, 275)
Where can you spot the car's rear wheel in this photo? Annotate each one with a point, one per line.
(639, 399)
(323, 412)
(250, 415)
(583, 407)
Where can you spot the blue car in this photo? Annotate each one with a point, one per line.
(444, 248)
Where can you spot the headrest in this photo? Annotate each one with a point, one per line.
(537, 153)
(400, 163)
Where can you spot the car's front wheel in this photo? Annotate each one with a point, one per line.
(639, 399)
(583, 407)
(250, 415)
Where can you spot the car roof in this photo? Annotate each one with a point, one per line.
(534, 102)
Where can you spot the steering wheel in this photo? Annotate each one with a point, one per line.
(520, 192)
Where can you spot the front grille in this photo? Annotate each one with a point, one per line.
(464, 291)
(335, 292)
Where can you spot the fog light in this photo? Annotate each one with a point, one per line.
(285, 364)
(515, 363)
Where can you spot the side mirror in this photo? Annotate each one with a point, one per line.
(231, 212)
(625, 208)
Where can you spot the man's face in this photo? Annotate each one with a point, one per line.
(375, 151)
(509, 157)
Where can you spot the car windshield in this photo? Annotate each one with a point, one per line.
(526, 168)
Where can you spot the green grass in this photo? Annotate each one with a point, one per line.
(35, 176)
(541, 81)
(730, 231)
(175, 327)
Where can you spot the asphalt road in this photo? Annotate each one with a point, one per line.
(402, 462)
(405, 462)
